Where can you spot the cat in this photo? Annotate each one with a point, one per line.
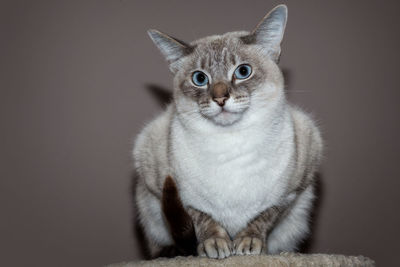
(235, 160)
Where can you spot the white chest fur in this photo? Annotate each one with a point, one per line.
(232, 176)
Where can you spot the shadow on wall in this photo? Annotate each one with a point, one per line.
(161, 94)
(164, 96)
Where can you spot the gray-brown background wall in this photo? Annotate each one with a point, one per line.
(72, 76)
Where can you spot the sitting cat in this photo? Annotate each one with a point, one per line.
(240, 157)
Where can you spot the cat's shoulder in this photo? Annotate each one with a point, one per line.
(306, 125)
(150, 152)
(303, 119)
(154, 134)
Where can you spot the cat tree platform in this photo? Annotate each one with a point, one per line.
(284, 259)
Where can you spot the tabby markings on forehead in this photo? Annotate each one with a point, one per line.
(214, 60)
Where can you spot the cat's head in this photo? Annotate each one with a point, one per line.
(220, 77)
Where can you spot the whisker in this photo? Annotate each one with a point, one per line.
(298, 91)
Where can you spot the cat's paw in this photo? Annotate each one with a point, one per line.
(247, 245)
(216, 248)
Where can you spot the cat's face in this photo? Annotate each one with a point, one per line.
(219, 77)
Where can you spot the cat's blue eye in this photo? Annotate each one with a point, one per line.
(199, 78)
(243, 72)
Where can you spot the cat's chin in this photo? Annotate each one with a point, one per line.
(226, 118)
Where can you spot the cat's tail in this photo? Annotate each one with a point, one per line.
(179, 221)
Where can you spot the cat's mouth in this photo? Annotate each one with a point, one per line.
(226, 117)
(224, 111)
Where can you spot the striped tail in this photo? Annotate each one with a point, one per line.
(179, 221)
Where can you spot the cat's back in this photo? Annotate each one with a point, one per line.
(150, 149)
(308, 143)
(306, 129)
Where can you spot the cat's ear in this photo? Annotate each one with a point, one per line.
(170, 47)
(269, 32)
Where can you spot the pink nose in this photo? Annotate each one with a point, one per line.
(220, 100)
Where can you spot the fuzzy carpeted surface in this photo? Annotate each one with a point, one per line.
(284, 259)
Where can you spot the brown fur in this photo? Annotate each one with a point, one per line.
(189, 229)
(258, 229)
(220, 93)
(212, 237)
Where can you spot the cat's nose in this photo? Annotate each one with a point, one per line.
(220, 100)
(220, 93)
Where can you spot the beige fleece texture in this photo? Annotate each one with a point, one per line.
(284, 259)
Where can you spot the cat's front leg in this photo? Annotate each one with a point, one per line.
(213, 239)
(252, 239)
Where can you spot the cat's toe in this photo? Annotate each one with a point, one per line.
(211, 248)
(201, 251)
(247, 245)
(224, 247)
(215, 248)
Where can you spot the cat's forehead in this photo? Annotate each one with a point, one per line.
(218, 50)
